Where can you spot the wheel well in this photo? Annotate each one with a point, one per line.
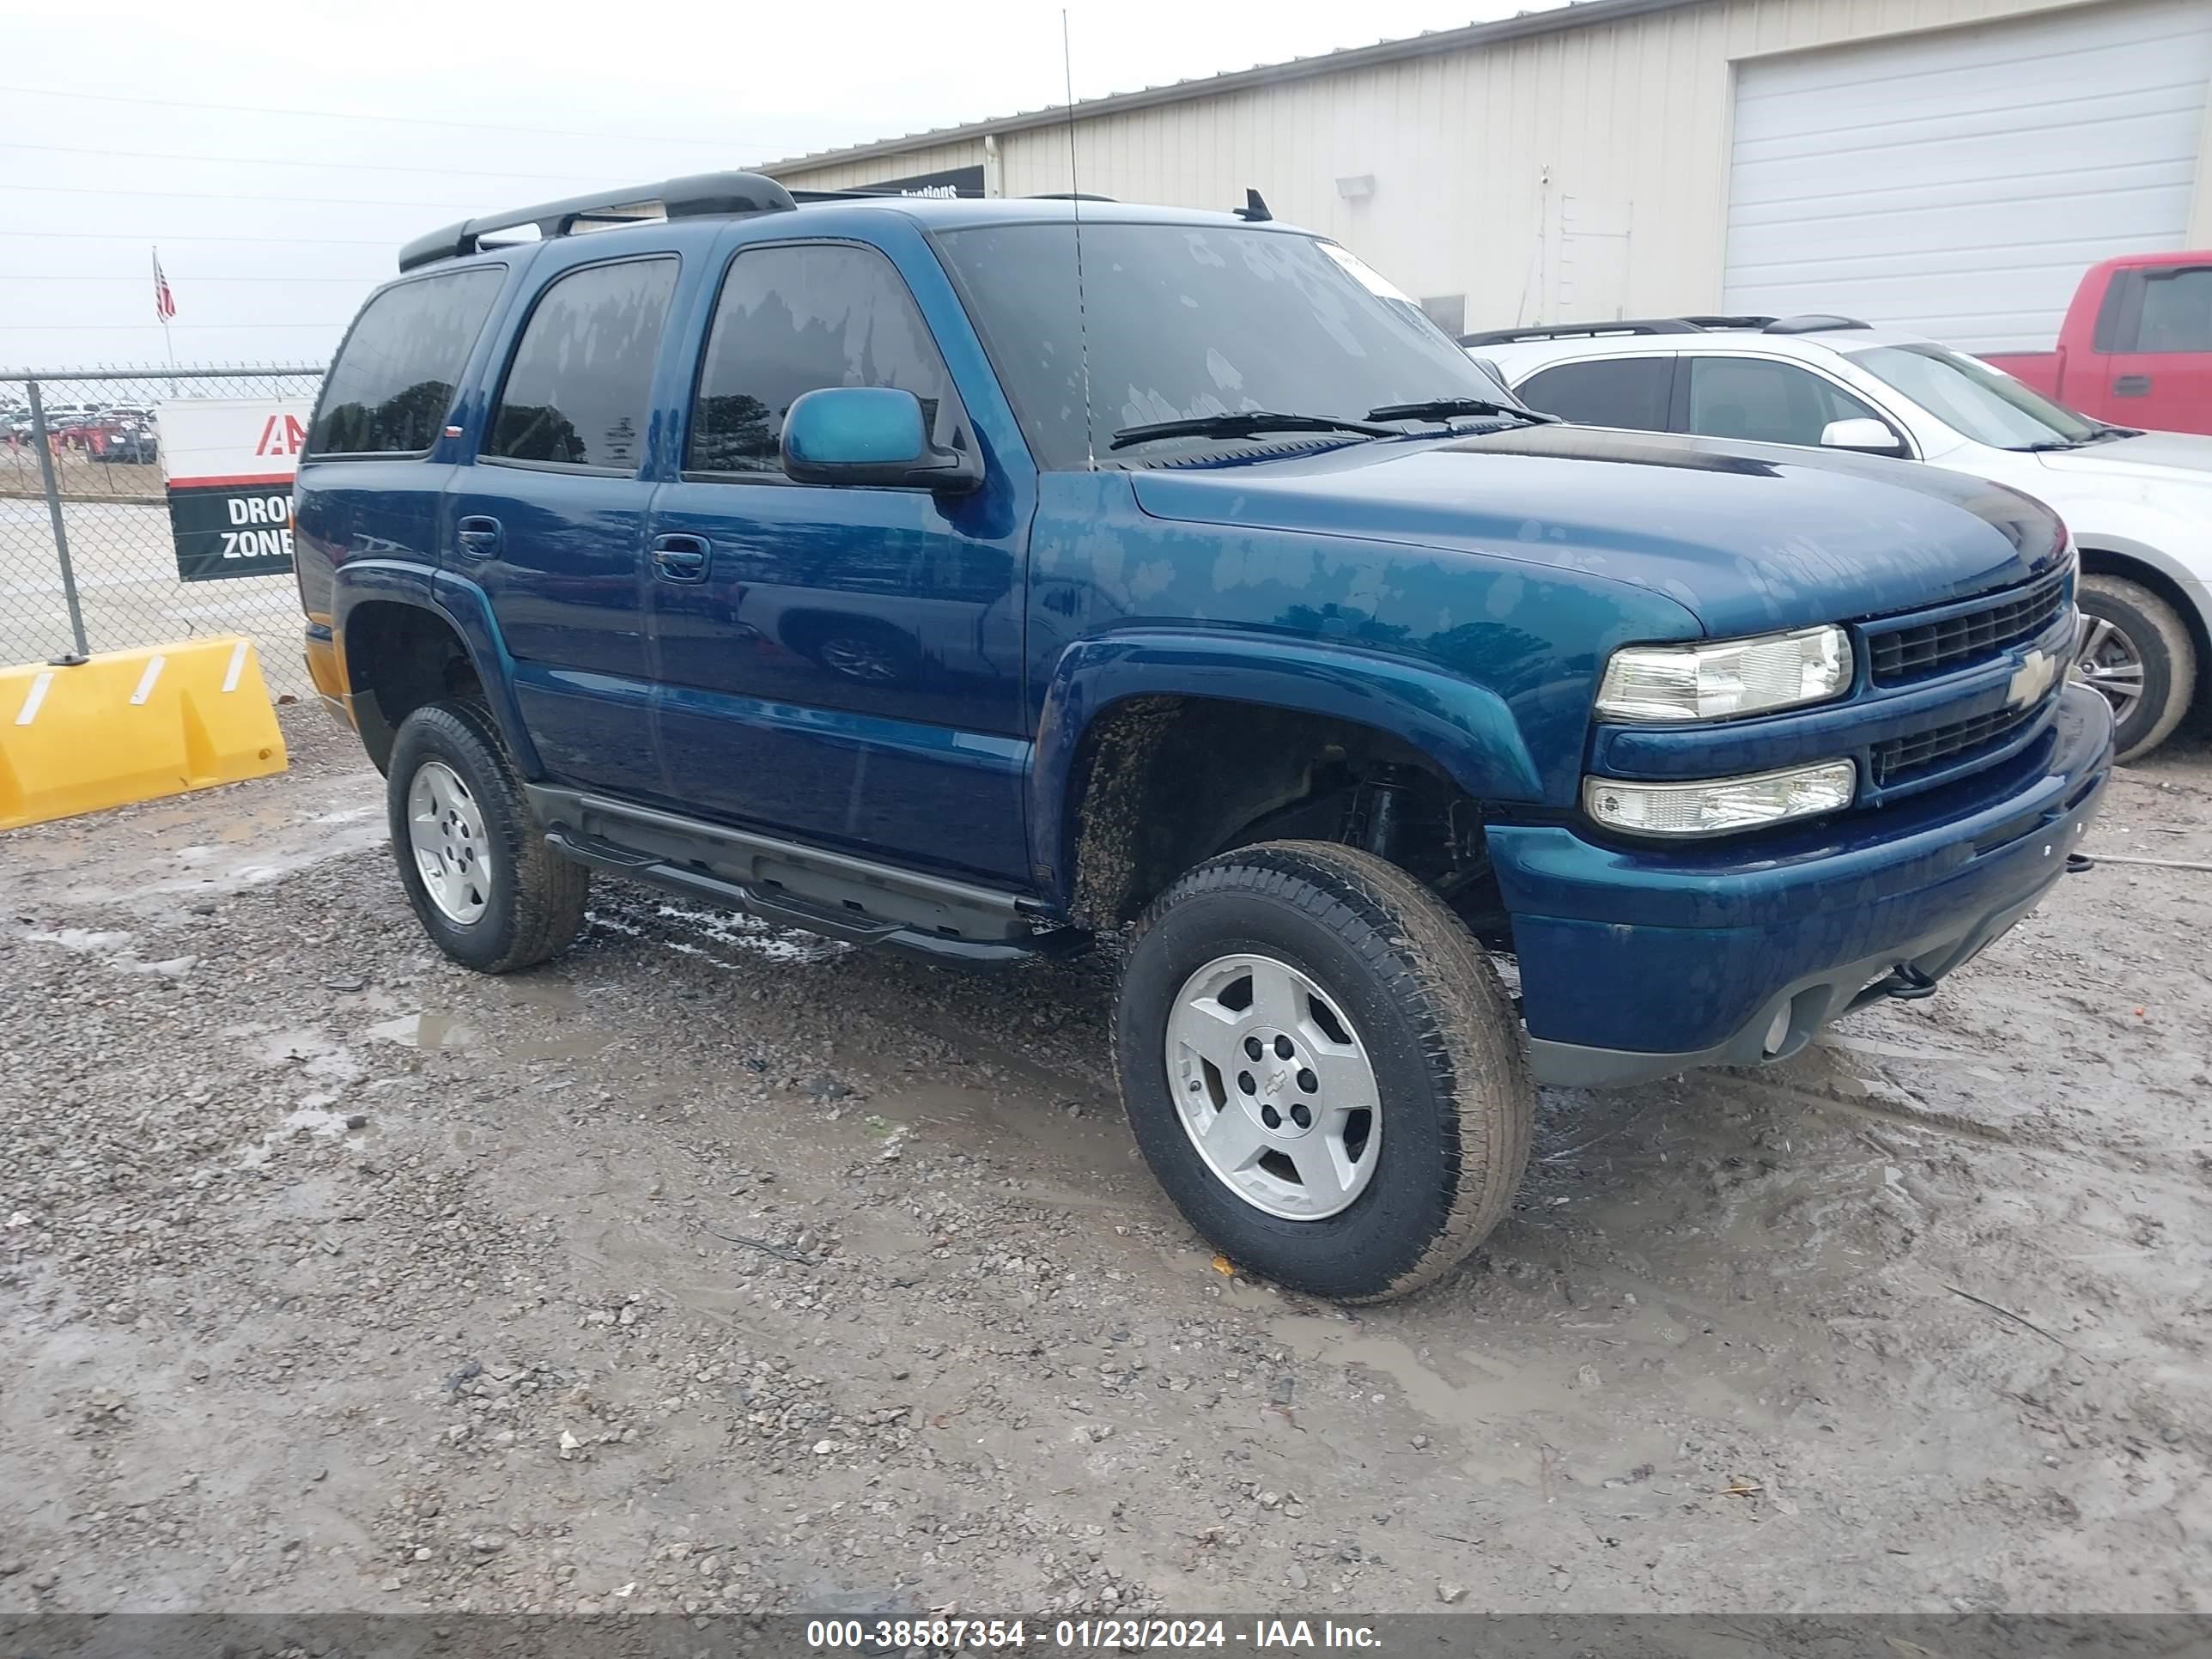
(1161, 783)
(397, 658)
(2100, 562)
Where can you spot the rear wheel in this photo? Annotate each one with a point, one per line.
(1322, 1070)
(2136, 654)
(485, 883)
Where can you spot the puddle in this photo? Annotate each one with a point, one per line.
(204, 849)
(317, 1054)
(426, 1031)
(85, 940)
(313, 1116)
(1424, 1389)
(1483, 1398)
(1017, 1122)
(114, 949)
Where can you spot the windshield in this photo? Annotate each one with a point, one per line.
(1183, 321)
(1982, 403)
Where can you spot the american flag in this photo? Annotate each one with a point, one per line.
(165, 303)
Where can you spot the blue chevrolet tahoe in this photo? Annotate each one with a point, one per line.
(980, 577)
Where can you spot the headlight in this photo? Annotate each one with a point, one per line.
(1712, 682)
(1713, 806)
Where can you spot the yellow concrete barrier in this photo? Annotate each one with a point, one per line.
(129, 725)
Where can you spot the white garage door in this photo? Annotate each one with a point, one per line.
(1958, 183)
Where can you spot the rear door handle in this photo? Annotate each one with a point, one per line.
(2131, 385)
(477, 536)
(681, 558)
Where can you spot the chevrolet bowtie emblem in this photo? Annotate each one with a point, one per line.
(2030, 679)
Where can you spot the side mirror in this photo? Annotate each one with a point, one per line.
(1865, 434)
(867, 434)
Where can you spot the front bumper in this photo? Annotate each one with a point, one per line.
(1636, 962)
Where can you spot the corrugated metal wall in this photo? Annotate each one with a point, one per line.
(1581, 172)
(930, 158)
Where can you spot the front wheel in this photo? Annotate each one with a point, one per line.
(2137, 653)
(1322, 1070)
(485, 883)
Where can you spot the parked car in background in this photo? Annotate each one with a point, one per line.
(108, 435)
(2139, 503)
(1314, 662)
(2135, 346)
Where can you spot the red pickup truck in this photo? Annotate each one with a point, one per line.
(2135, 348)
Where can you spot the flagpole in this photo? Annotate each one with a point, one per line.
(168, 340)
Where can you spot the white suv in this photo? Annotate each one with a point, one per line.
(2139, 503)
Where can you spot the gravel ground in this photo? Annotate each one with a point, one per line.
(712, 1268)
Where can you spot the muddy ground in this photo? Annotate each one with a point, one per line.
(710, 1267)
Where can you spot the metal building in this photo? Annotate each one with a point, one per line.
(1950, 166)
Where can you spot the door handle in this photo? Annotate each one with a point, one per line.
(2131, 385)
(681, 558)
(477, 536)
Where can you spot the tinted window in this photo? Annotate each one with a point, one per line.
(577, 392)
(1181, 321)
(2177, 312)
(1758, 401)
(393, 381)
(792, 321)
(1628, 392)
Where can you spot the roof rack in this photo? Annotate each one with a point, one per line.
(700, 195)
(1812, 324)
(1815, 323)
(1581, 331)
(1728, 322)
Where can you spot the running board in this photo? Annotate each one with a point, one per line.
(833, 894)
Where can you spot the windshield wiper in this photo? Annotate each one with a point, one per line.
(1243, 423)
(2100, 435)
(1444, 409)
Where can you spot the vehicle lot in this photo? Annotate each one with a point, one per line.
(710, 1266)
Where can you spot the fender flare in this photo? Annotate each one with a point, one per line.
(464, 607)
(1465, 728)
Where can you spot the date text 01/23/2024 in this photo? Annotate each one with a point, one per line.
(898, 1634)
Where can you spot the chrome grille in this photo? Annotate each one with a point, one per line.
(1915, 650)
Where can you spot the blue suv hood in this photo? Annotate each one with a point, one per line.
(1748, 537)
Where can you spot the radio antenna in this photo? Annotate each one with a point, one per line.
(1075, 209)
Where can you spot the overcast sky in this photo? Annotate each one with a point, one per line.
(280, 153)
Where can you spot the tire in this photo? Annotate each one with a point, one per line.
(1399, 978)
(2136, 638)
(527, 900)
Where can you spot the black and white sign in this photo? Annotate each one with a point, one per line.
(228, 462)
(953, 181)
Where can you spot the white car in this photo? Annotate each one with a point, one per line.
(2139, 503)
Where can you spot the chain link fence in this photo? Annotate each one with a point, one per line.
(89, 560)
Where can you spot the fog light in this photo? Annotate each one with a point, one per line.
(1714, 806)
